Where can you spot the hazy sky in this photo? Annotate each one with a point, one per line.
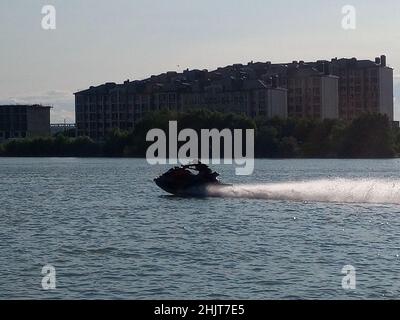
(99, 41)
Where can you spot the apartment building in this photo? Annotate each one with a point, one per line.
(313, 94)
(364, 86)
(339, 88)
(252, 98)
(109, 106)
(23, 121)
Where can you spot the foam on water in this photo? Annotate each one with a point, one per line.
(324, 190)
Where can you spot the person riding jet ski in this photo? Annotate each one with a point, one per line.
(181, 181)
(202, 168)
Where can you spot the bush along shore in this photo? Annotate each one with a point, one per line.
(369, 136)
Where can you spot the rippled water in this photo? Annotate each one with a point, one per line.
(285, 232)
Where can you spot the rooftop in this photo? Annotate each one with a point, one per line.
(241, 76)
(26, 106)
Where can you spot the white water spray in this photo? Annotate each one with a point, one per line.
(325, 190)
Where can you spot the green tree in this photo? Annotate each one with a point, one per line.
(369, 136)
(288, 148)
(115, 143)
(267, 142)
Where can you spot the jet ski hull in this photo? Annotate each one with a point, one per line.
(196, 190)
(182, 182)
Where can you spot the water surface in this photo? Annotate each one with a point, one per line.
(286, 232)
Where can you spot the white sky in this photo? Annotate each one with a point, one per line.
(98, 41)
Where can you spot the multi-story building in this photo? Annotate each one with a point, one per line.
(97, 110)
(110, 106)
(252, 98)
(340, 88)
(22, 121)
(312, 94)
(364, 86)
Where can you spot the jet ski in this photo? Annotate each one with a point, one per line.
(190, 180)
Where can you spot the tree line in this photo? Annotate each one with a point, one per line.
(369, 136)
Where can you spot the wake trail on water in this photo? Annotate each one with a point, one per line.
(324, 190)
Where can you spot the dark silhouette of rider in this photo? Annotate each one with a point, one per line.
(203, 169)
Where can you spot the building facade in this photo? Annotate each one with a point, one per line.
(252, 98)
(313, 94)
(339, 88)
(364, 86)
(24, 121)
(111, 106)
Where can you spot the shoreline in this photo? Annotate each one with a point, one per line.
(143, 158)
